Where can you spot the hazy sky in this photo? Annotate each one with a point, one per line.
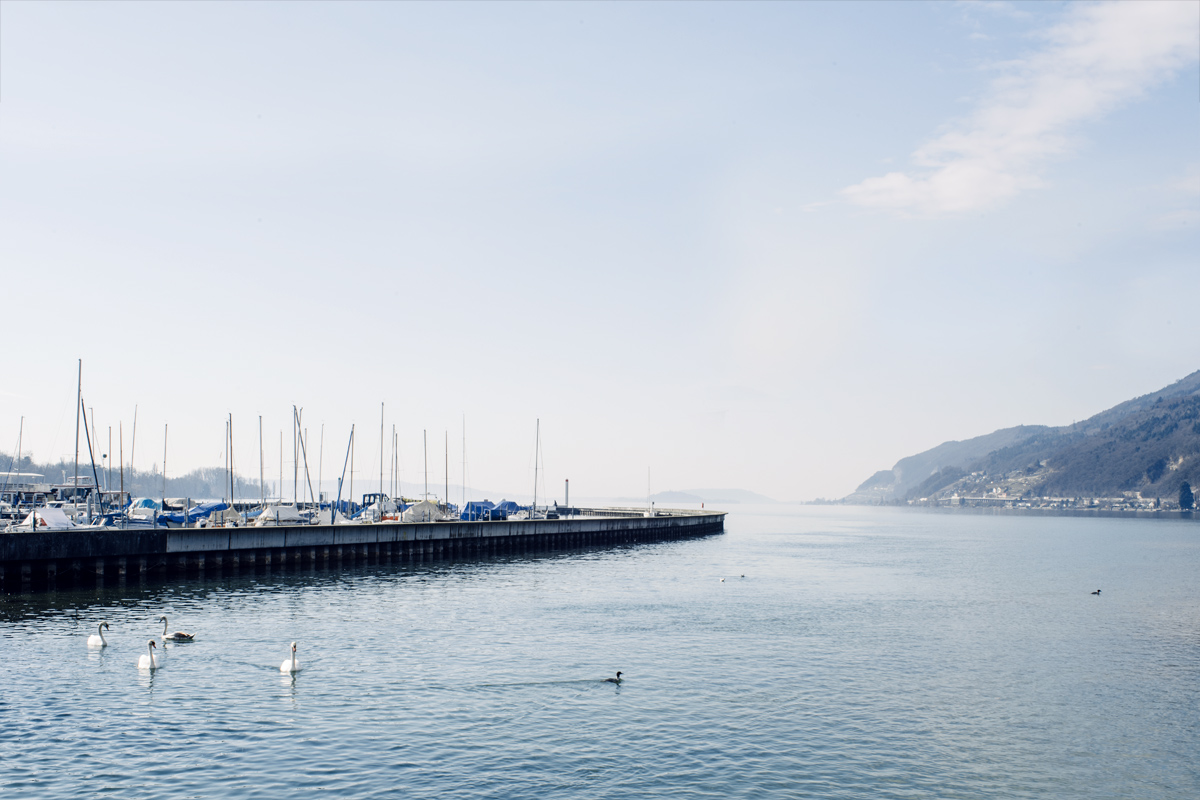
(771, 246)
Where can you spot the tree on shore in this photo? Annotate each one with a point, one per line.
(1186, 499)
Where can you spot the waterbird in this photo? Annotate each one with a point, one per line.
(149, 660)
(616, 680)
(1096, 592)
(177, 636)
(97, 639)
(290, 664)
(722, 580)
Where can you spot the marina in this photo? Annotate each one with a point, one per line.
(33, 560)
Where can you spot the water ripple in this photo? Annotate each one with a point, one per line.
(867, 654)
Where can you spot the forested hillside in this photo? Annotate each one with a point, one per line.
(209, 483)
(1149, 445)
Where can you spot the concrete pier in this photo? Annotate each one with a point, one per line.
(36, 560)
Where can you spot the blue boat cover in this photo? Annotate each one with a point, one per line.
(194, 513)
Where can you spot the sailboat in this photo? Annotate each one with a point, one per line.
(532, 512)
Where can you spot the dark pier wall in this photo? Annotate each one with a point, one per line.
(29, 561)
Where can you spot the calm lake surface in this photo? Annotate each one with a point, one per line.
(867, 653)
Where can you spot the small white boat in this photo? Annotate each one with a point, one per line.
(43, 519)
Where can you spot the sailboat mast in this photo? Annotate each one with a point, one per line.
(295, 458)
(425, 440)
(381, 457)
(132, 448)
(78, 409)
(17, 458)
(91, 414)
(262, 487)
(337, 503)
(90, 434)
(447, 468)
(164, 475)
(231, 497)
(537, 443)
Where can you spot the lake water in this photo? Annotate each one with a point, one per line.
(867, 653)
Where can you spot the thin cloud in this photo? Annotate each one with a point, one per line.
(996, 7)
(1186, 192)
(1101, 56)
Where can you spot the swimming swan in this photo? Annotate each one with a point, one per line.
(177, 636)
(290, 664)
(616, 680)
(149, 660)
(97, 639)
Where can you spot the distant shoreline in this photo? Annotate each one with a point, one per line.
(1097, 513)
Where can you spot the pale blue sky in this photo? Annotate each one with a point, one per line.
(772, 246)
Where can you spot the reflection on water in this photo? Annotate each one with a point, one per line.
(867, 654)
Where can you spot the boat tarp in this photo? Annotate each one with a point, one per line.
(49, 519)
(196, 512)
(278, 515)
(385, 507)
(476, 510)
(424, 511)
(143, 508)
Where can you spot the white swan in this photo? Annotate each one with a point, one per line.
(97, 639)
(177, 636)
(149, 660)
(290, 664)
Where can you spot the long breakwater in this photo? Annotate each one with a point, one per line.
(48, 559)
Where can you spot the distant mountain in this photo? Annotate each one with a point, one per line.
(1150, 444)
(711, 496)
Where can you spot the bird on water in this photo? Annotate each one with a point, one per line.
(177, 636)
(616, 680)
(1096, 592)
(290, 664)
(97, 639)
(149, 661)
